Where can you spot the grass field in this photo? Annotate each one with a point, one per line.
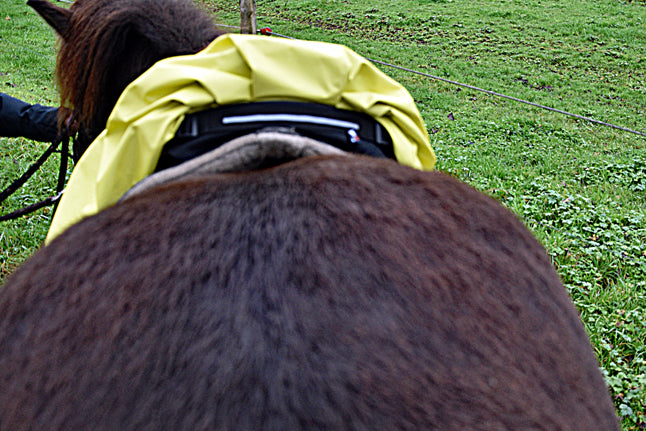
(580, 187)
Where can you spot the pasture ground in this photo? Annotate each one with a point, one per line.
(580, 187)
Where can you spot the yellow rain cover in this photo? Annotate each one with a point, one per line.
(232, 69)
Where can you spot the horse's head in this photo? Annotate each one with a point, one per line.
(106, 44)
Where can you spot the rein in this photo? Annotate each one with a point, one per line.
(62, 141)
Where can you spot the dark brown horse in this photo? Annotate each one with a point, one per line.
(331, 292)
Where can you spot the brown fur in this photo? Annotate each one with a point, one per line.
(300, 297)
(106, 44)
(332, 292)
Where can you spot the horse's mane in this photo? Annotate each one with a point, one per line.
(106, 44)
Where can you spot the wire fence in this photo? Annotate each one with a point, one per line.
(268, 32)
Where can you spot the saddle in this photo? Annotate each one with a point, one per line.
(239, 85)
(251, 136)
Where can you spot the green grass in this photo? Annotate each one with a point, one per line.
(580, 187)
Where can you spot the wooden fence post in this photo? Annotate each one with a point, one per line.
(247, 16)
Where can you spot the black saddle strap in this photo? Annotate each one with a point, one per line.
(206, 130)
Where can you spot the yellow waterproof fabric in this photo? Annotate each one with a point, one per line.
(232, 69)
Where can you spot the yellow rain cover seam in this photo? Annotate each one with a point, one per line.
(232, 69)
